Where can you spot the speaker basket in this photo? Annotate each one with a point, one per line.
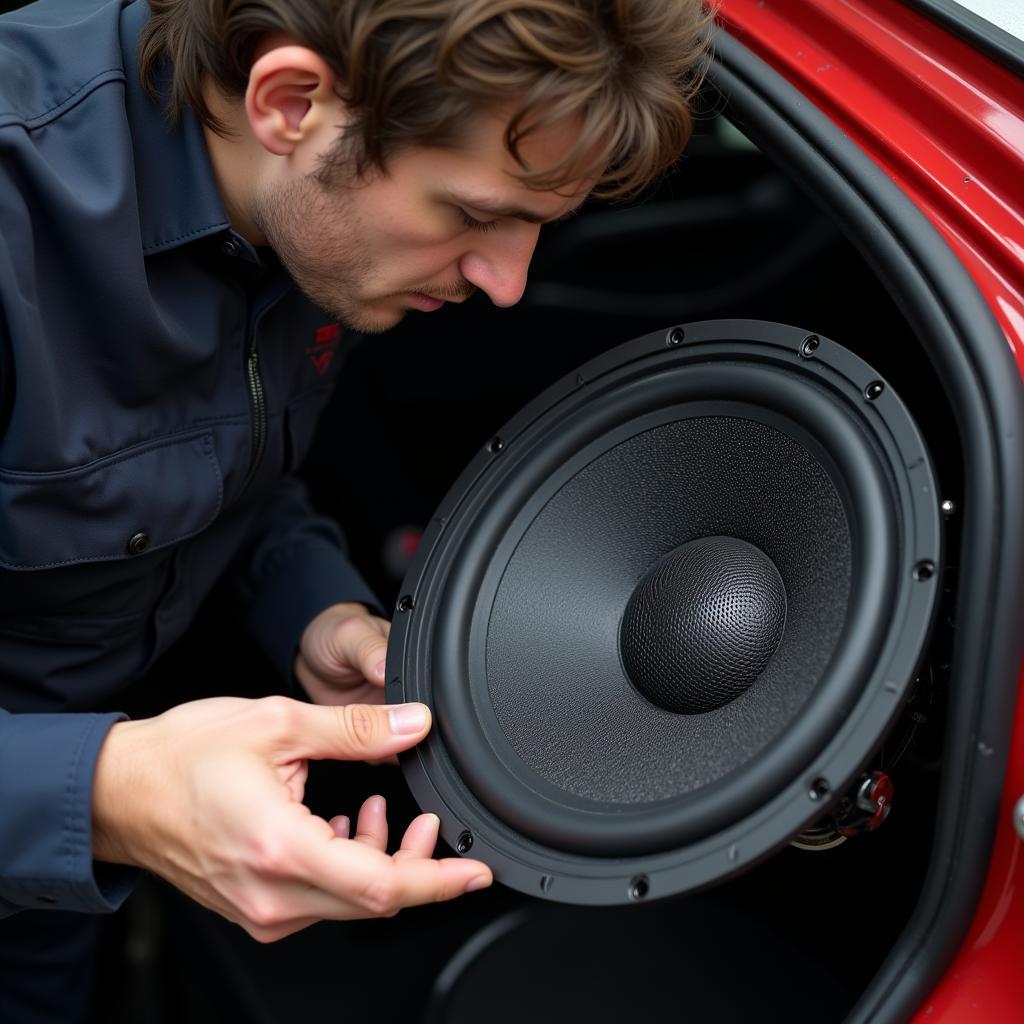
(668, 612)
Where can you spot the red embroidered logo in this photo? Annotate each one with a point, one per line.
(321, 352)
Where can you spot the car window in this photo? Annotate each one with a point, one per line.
(1005, 14)
(995, 27)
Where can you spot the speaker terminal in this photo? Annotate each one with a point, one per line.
(915, 745)
(864, 809)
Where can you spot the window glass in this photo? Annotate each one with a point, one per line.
(1005, 14)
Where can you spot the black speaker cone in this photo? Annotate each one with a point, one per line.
(677, 593)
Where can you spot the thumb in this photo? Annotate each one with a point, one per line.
(360, 732)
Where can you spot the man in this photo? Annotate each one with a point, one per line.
(192, 196)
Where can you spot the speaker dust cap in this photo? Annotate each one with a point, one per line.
(675, 600)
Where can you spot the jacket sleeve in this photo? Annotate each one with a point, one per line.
(292, 566)
(47, 763)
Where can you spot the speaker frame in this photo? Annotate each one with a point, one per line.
(569, 875)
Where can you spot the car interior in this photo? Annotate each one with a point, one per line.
(726, 234)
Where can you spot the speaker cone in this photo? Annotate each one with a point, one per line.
(668, 612)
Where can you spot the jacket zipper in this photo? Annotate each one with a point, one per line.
(259, 415)
(258, 305)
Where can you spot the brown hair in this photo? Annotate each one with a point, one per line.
(413, 71)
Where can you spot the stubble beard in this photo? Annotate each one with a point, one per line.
(332, 271)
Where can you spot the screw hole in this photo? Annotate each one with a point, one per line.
(874, 390)
(819, 789)
(495, 445)
(810, 346)
(639, 887)
(406, 603)
(464, 843)
(924, 571)
(675, 336)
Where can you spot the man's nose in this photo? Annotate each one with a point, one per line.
(499, 266)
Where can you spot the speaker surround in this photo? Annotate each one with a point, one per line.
(668, 612)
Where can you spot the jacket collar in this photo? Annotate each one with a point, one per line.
(179, 201)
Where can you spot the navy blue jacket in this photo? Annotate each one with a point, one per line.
(159, 379)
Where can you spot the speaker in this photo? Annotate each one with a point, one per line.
(667, 614)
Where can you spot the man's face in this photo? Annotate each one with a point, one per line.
(440, 224)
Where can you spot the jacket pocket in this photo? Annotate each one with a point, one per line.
(138, 500)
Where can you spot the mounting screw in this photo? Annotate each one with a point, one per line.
(819, 789)
(924, 571)
(948, 508)
(809, 346)
(675, 336)
(495, 445)
(406, 603)
(639, 887)
(873, 390)
(464, 843)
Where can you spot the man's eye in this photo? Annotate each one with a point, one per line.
(474, 224)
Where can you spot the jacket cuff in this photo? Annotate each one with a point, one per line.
(298, 583)
(47, 764)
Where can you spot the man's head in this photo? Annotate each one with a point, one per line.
(395, 151)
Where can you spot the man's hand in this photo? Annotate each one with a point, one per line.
(208, 796)
(341, 656)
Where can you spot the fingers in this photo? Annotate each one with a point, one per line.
(353, 732)
(345, 646)
(361, 642)
(319, 874)
(356, 880)
(376, 658)
(420, 838)
(418, 880)
(372, 823)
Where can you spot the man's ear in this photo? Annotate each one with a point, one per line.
(290, 91)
